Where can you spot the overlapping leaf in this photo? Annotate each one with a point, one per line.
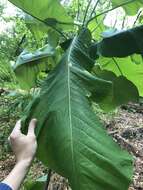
(49, 11)
(72, 140)
(122, 44)
(131, 7)
(123, 90)
(28, 65)
(129, 69)
(40, 30)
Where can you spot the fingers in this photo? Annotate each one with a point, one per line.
(32, 126)
(17, 129)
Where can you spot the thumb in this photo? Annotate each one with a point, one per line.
(32, 126)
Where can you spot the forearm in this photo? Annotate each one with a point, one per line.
(17, 175)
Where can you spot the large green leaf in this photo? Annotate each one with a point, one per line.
(122, 44)
(28, 65)
(129, 69)
(71, 139)
(49, 11)
(131, 8)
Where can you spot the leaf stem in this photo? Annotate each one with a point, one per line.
(113, 8)
(98, 24)
(138, 16)
(48, 179)
(94, 9)
(78, 10)
(68, 23)
(85, 15)
(117, 66)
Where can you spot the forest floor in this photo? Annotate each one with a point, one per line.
(125, 125)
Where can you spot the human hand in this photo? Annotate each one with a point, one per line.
(24, 146)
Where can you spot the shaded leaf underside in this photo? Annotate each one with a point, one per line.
(123, 43)
(45, 10)
(28, 65)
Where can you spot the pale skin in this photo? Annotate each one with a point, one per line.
(24, 148)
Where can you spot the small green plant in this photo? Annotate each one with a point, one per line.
(86, 64)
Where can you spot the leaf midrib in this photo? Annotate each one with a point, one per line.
(69, 65)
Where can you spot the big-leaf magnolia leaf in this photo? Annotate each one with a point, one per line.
(49, 11)
(28, 65)
(124, 91)
(131, 7)
(41, 30)
(71, 139)
(122, 44)
(36, 27)
(129, 69)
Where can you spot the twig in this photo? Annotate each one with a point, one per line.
(48, 179)
(128, 129)
(113, 132)
(128, 145)
(104, 12)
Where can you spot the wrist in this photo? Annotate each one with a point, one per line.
(24, 163)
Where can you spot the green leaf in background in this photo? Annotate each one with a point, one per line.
(28, 65)
(129, 69)
(53, 38)
(38, 184)
(72, 140)
(46, 10)
(97, 26)
(137, 59)
(122, 44)
(131, 8)
(124, 91)
(40, 30)
(36, 27)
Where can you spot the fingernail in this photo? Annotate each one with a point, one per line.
(34, 120)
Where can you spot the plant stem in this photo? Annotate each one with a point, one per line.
(124, 21)
(78, 10)
(85, 15)
(68, 23)
(48, 179)
(104, 12)
(138, 16)
(117, 66)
